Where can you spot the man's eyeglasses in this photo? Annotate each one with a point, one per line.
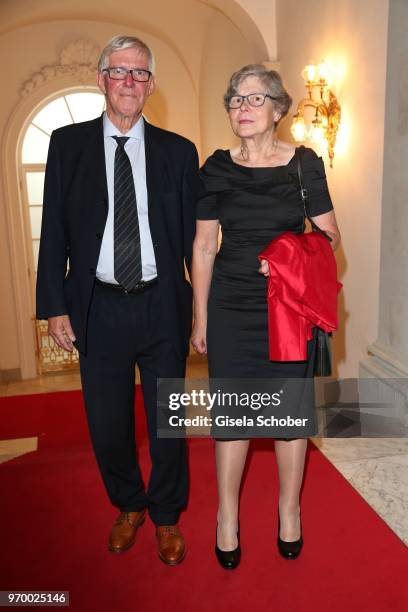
(118, 73)
(254, 99)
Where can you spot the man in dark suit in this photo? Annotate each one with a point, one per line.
(119, 204)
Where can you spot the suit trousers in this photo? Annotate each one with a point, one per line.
(125, 330)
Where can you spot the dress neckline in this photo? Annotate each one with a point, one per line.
(228, 153)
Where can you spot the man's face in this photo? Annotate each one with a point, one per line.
(126, 99)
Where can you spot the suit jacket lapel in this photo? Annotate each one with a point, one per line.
(152, 160)
(154, 176)
(94, 163)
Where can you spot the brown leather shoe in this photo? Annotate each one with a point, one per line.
(172, 549)
(123, 533)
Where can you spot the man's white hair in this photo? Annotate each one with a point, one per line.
(117, 43)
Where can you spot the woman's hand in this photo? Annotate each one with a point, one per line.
(199, 338)
(264, 268)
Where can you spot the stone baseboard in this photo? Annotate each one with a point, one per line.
(10, 375)
(390, 388)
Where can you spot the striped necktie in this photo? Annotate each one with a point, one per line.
(127, 253)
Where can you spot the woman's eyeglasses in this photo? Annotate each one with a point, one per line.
(254, 99)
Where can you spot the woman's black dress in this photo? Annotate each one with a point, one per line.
(253, 206)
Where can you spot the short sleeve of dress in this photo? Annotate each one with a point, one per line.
(314, 178)
(207, 208)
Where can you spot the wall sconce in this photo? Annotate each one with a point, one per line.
(327, 109)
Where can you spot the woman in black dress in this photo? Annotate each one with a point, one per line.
(252, 192)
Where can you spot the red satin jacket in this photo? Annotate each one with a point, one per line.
(302, 292)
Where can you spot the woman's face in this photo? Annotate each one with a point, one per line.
(249, 121)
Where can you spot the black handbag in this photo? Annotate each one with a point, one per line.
(323, 357)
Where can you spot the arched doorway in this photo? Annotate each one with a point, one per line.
(67, 108)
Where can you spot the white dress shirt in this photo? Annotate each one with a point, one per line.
(135, 149)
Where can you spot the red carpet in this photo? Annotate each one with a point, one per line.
(58, 419)
(55, 519)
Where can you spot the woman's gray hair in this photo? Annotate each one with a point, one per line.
(117, 43)
(271, 80)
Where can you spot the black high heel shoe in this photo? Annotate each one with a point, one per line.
(289, 550)
(228, 559)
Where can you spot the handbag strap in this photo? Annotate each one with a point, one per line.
(305, 197)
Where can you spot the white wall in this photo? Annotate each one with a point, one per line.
(393, 325)
(197, 45)
(223, 53)
(263, 12)
(175, 110)
(352, 35)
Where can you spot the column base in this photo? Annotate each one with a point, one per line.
(390, 391)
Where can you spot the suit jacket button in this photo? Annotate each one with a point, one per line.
(99, 236)
(92, 271)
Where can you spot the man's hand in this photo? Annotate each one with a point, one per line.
(59, 328)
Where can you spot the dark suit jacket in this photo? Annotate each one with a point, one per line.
(74, 216)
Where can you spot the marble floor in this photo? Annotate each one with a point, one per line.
(376, 467)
